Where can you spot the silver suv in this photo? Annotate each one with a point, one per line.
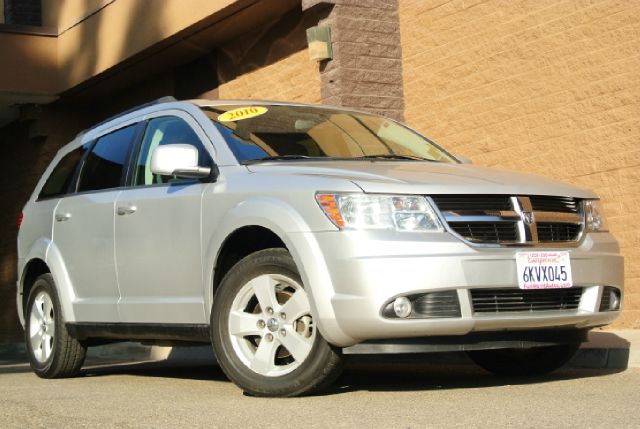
(289, 235)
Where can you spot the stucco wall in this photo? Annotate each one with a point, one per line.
(549, 87)
(64, 14)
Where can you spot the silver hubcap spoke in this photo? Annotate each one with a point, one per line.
(263, 361)
(264, 289)
(244, 324)
(298, 346)
(270, 325)
(297, 306)
(42, 327)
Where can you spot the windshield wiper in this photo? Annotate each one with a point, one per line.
(394, 156)
(390, 156)
(280, 158)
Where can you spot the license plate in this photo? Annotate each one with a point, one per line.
(543, 270)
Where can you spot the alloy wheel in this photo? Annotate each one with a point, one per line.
(42, 327)
(270, 325)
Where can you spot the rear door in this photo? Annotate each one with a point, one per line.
(83, 227)
(158, 232)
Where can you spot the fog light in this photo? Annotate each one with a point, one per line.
(614, 300)
(402, 307)
(611, 299)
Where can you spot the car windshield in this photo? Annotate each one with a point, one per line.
(258, 133)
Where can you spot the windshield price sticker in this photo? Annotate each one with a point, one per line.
(543, 270)
(242, 113)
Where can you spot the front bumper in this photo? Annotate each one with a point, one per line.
(369, 269)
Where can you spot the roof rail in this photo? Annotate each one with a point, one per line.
(160, 100)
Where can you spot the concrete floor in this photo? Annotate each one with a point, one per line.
(372, 393)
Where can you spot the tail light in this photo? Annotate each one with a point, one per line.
(20, 217)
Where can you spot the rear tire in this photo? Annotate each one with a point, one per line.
(263, 333)
(524, 362)
(52, 352)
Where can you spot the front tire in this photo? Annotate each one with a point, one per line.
(524, 362)
(52, 352)
(262, 330)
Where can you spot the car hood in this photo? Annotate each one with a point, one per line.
(414, 177)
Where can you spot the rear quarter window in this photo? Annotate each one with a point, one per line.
(60, 179)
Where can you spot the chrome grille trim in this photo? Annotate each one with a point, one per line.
(503, 300)
(488, 220)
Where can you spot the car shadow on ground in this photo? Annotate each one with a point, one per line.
(446, 371)
(428, 373)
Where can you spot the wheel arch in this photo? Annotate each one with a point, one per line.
(240, 243)
(286, 228)
(33, 269)
(44, 257)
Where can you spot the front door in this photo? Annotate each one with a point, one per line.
(158, 234)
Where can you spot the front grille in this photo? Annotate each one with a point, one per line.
(512, 220)
(472, 202)
(550, 231)
(555, 204)
(486, 232)
(510, 300)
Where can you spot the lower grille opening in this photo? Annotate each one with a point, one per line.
(509, 300)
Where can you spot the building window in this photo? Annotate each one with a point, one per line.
(23, 12)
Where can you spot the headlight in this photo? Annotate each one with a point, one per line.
(374, 211)
(593, 216)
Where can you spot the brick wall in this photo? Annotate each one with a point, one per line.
(272, 61)
(366, 70)
(549, 87)
(294, 78)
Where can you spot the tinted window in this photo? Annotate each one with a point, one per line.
(105, 164)
(58, 182)
(164, 131)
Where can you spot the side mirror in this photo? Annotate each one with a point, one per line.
(179, 160)
(464, 160)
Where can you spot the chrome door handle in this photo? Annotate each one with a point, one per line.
(126, 210)
(61, 217)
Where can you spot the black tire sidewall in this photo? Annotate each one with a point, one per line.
(43, 283)
(271, 261)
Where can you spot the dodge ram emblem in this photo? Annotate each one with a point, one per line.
(528, 218)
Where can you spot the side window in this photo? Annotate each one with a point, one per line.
(106, 162)
(58, 182)
(162, 131)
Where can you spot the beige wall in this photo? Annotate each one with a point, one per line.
(89, 44)
(33, 64)
(294, 78)
(123, 29)
(549, 87)
(64, 14)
